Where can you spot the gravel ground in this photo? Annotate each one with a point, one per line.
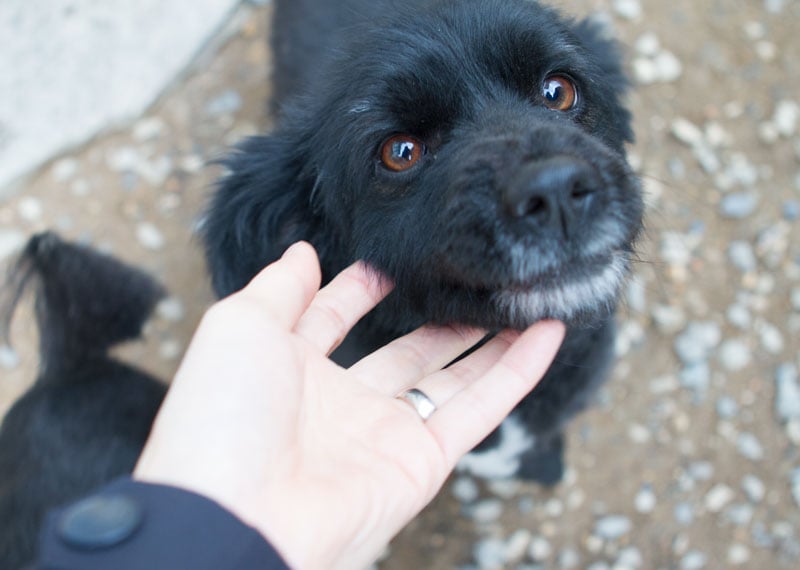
(691, 458)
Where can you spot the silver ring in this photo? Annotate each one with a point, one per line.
(419, 401)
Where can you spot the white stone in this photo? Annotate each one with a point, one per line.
(770, 337)
(734, 355)
(30, 209)
(465, 489)
(687, 132)
(149, 236)
(148, 129)
(754, 488)
(669, 67)
(645, 501)
(786, 117)
(171, 309)
(648, 44)
(738, 554)
(719, 496)
(628, 9)
(612, 527)
(540, 549)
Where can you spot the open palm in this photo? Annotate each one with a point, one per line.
(324, 461)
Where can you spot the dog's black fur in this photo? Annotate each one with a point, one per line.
(87, 416)
(515, 213)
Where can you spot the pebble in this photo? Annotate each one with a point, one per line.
(540, 549)
(795, 298)
(568, 558)
(170, 349)
(9, 359)
(487, 511)
(795, 482)
(739, 316)
(490, 553)
(770, 337)
(10, 242)
(754, 488)
(517, 544)
(465, 489)
(791, 210)
(742, 256)
(734, 355)
(171, 309)
(670, 319)
(701, 470)
(772, 243)
(687, 132)
(30, 209)
(738, 205)
(628, 9)
(727, 407)
(226, 103)
(696, 377)
(148, 129)
(683, 513)
(786, 117)
(719, 496)
(612, 527)
(740, 514)
(695, 344)
(645, 501)
(629, 557)
(694, 560)
(749, 446)
(648, 44)
(787, 393)
(738, 554)
(63, 170)
(149, 236)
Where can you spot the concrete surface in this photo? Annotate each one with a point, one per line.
(73, 68)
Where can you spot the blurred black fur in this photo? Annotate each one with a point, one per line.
(87, 416)
(515, 213)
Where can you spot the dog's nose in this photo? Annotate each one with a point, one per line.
(553, 193)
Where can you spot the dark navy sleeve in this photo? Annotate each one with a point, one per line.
(128, 525)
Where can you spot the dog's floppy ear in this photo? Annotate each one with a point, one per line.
(260, 208)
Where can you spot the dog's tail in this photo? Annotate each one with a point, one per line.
(86, 302)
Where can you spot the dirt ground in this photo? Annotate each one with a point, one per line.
(690, 459)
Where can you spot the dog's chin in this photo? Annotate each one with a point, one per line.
(579, 298)
(581, 295)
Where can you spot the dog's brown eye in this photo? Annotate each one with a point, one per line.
(401, 152)
(559, 93)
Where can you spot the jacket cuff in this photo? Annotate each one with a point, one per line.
(130, 525)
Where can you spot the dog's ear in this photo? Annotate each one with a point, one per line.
(606, 54)
(260, 208)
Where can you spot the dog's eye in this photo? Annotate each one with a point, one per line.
(401, 152)
(559, 92)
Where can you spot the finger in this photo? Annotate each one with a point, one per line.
(285, 288)
(406, 360)
(471, 414)
(340, 304)
(442, 385)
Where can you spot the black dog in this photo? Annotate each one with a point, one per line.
(471, 150)
(86, 418)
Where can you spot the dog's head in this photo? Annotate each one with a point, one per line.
(473, 153)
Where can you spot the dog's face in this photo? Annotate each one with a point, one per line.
(472, 154)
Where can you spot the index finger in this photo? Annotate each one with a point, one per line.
(339, 305)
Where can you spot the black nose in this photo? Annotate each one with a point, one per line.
(554, 193)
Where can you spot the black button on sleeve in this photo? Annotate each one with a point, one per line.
(100, 521)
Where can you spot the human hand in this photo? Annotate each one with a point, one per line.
(326, 462)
